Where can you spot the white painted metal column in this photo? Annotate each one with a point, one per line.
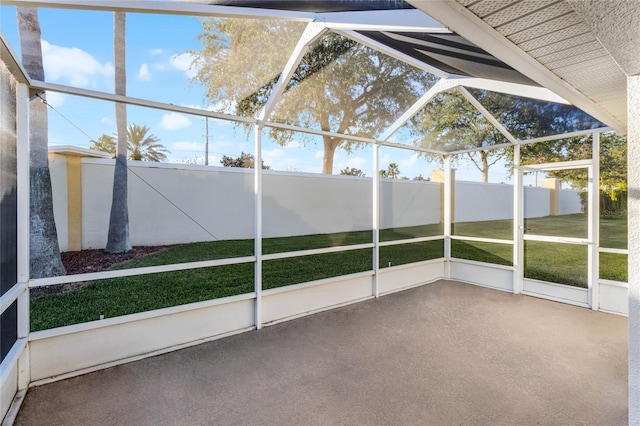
(22, 155)
(633, 213)
(257, 235)
(518, 223)
(593, 232)
(448, 203)
(375, 206)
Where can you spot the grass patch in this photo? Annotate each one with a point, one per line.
(500, 254)
(561, 263)
(128, 295)
(613, 232)
(394, 234)
(411, 253)
(498, 229)
(556, 263)
(614, 267)
(284, 272)
(569, 225)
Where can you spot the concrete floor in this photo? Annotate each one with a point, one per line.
(445, 353)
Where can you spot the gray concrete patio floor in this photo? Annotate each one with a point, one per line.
(445, 353)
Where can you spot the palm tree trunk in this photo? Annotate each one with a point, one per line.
(118, 240)
(44, 250)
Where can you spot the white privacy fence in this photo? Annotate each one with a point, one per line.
(176, 203)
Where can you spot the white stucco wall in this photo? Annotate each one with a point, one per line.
(58, 173)
(570, 202)
(166, 201)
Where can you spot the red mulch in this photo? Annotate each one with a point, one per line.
(81, 262)
(85, 261)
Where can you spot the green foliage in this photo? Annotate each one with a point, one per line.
(392, 172)
(339, 85)
(105, 143)
(450, 122)
(141, 146)
(144, 146)
(351, 171)
(244, 160)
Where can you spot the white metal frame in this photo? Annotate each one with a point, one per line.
(318, 25)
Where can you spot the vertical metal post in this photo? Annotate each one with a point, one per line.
(206, 141)
(257, 185)
(448, 203)
(375, 206)
(518, 223)
(593, 220)
(22, 154)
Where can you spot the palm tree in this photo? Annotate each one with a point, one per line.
(118, 240)
(393, 171)
(144, 146)
(44, 251)
(105, 143)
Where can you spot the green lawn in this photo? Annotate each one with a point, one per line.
(127, 295)
(562, 263)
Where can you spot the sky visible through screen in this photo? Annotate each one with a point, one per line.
(78, 51)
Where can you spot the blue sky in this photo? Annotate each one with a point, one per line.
(78, 51)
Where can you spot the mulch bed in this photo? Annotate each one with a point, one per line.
(85, 261)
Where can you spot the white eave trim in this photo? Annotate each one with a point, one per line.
(463, 22)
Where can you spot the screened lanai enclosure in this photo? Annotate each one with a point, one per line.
(299, 156)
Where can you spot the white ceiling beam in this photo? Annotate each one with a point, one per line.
(312, 32)
(412, 148)
(405, 20)
(462, 21)
(480, 148)
(42, 85)
(565, 135)
(487, 115)
(523, 90)
(441, 86)
(373, 44)
(11, 61)
(165, 7)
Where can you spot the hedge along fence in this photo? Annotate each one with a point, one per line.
(178, 203)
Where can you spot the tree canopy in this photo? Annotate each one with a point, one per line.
(450, 122)
(339, 86)
(244, 160)
(352, 171)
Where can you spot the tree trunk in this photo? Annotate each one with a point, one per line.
(484, 156)
(330, 145)
(44, 250)
(118, 240)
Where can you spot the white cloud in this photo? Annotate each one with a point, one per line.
(156, 52)
(187, 146)
(174, 121)
(318, 155)
(357, 162)
(183, 62)
(55, 99)
(72, 64)
(105, 120)
(143, 73)
(158, 67)
(407, 163)
(270, 156)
